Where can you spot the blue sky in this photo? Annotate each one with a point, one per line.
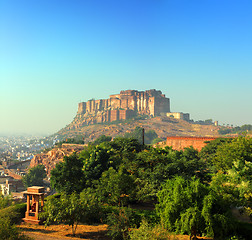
(56, 53)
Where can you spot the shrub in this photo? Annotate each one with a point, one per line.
(119, 223)
(149, 215)
(4, 201)
(14, 213)
(148, 232)
(8, 231)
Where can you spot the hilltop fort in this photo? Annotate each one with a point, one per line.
(123, 106)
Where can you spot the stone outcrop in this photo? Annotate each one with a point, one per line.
(51, 158)
(122, 106)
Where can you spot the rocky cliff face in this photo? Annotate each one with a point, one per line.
(51, 158)
(121, 106)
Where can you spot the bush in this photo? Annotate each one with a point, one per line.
(147, 232)
(4, 201)
(119, 223)
(149, 215)
(14, 213)
(8, 231)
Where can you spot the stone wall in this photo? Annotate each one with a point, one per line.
(179, 143)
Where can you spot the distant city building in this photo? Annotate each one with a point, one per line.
(10, 186)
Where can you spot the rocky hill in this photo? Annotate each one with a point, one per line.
(51, 158)
(163, 126)
(123, 112)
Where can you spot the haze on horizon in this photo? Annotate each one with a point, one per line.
(55, 54)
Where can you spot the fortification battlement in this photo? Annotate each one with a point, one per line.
(149, 102)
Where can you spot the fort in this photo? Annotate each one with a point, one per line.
(123, 106)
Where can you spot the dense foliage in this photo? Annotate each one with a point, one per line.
(76, 140)
(194, 192)
(9, 216)
(35, 176)
(230, 130)
(68, 175)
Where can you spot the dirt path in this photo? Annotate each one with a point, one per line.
(39, 236)
(63, 232)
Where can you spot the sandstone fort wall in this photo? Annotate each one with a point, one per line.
(124, 105)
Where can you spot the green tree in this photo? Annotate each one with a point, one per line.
(68, 175)
(126, 145)
(35, 176)
(154, 166)
(238, 150)
(208, 152)
(67, 209)
(180, 205)
(235, 185)
(136, 134)
(93, 208)
(101, 139)
(115, 188)
(188, 206)
(96, 160)
(149, 136)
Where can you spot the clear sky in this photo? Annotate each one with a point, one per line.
(56, 53)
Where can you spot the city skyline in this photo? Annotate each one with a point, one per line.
(55, 54)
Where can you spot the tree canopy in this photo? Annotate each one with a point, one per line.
(35, 176)
(68, 176)
(192, 191)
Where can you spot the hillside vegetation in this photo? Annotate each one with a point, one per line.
(163, 126)
(156, 191)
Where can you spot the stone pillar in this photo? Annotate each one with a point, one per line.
(28, 203)
(37, 203)
(42, 202)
